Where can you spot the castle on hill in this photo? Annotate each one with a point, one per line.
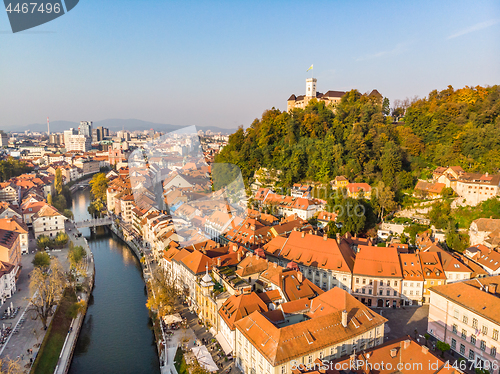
(311, 93)
(330, 97)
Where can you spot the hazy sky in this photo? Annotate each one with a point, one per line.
(223, 63)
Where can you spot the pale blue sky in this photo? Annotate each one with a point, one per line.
(222, 63)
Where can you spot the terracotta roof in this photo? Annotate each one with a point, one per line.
(431, 266)
(430, 187)
(8, 238)
(312, 333)
(14, 224)
(472, 295)
(313, 250)
(487, 224)
(449, 262)
(237, 307)
(410, 265)
(377, 262)
(404, 351)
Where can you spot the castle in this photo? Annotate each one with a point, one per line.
(302, 100)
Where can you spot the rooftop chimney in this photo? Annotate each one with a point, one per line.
(338, 238)
(300, 277)
(325, 236)
(239, 256)
(406, 343)
(219, 262)
(394, 352)
(344, 318)
(425, 349)
(303, 234)
(493, 288)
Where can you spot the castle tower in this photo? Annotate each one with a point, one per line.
(311, 87)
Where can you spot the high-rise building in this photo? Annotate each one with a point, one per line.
(56, 138)
(85, 128)
(67, 134)
(4, 141)
(101, 133)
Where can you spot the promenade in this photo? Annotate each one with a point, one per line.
(66, 354)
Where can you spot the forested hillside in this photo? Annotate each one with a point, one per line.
(361, 141)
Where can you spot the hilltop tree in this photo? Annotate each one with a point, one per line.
(46, 288)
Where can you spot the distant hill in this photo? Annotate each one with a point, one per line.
(113, 124)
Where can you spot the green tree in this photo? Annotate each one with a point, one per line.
(440, 214)
(443, 347)
(352, 214)
(386, 106)
(390, 163)
(41, 260)
(58, 181)
(43, 242)
(61, 239)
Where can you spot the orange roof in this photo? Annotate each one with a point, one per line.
(405, 352)
(431, 266)
(312, 332)
(13, 224)
(237, 307)
(377, 262)
(313, 250)
(410, 264)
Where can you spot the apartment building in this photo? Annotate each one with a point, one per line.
(331, 325)
(16, 224)
(377, 276)
(412, 289)
(466, 316)
(48, 221)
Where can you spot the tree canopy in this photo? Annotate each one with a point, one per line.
(359, 140)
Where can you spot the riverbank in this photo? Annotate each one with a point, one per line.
(68, 348)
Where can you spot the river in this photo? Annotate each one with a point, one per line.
(116, 336)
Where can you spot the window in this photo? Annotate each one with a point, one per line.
(495, 334)
(388, 292)
(473, 339)
(462, 349)
(370, 292)
(362, 290)
(464, 334)
(493, 351)
(364, 281)
(484, 330)
(483, 345)
(471, 354)
(474, 323)
(381, 282)
(454, 329)
(395, 283)
(283, 369)
(395, 293)
(453, 344)
(357, 280)
(417, 292)
(432, 282)
(465, 319)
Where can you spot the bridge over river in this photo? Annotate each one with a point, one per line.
(95, 222)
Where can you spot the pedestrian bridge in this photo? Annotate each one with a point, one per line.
(94, 222)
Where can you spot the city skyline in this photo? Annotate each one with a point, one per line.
(233, 61)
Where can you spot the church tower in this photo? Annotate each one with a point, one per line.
(311, 87)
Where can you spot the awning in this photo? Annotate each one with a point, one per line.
(204, 358)
(224, 343)
(172, 318)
